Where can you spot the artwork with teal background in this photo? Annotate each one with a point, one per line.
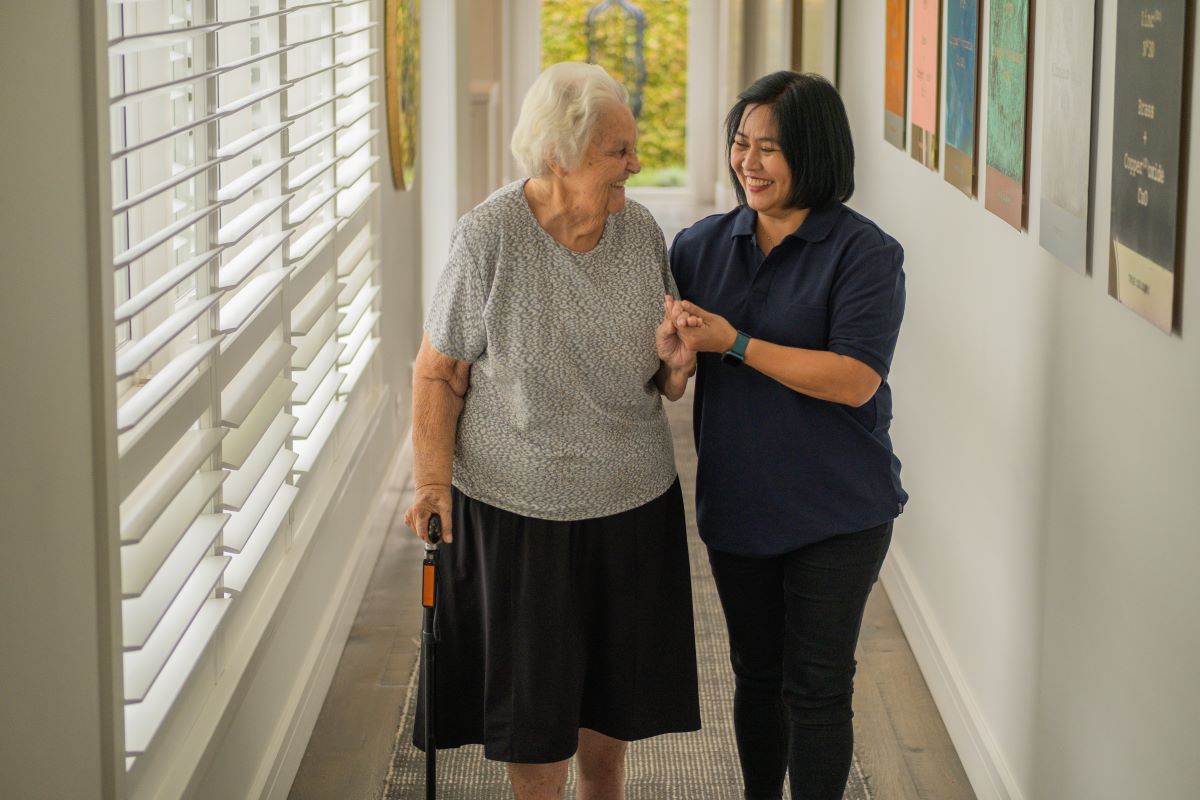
(962, 47)
(1007, 66)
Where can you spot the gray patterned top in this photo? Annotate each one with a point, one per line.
(562, 419)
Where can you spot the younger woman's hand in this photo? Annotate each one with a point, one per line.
(703, 331)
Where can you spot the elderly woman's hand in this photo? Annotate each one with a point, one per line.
(672, 350)
(703, 331)
(430, 499)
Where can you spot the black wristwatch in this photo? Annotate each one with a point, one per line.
(736, 354)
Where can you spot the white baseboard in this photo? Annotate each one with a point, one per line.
(332, 638)
(981, 757)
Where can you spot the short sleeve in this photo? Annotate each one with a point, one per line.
(455, 322)
(867, 306)
(669, 286)
(674, 259)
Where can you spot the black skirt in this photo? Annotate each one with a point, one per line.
(548, 627)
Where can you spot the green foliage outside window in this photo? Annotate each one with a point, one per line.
(662, 126)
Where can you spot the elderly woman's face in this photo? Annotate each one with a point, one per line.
(758, 162)
(611, 157)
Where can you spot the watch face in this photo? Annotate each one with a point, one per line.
(731, 358)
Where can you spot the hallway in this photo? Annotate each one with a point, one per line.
(902, 745)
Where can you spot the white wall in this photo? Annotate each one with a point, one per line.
(1044, 570)
(55, 738)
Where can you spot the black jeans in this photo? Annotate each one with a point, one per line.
(793, 625)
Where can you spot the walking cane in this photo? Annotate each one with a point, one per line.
(428, 644)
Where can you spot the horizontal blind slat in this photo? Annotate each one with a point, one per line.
(165, 283)
(309, 207)
(157, 388)
(241, 482)
(141, 560)
(158, 237)
(249, 259)
(244, 563)
(355, 310)
(144, 613)
(349, 114)
(241, 442)
(258, 291)
(310, 413)
(143, 719)
(311, 448)
(355, 340)
(310, 344)
(137, 353)
(308, 379)
(255, 137)
(303, 246)
(300, 180)
(141, 450)
(149, 498)
(308, 312)
(353, 283)
(352, 200)
(356, 368)
(143, 665)
(183, 176)
(242, 393)
(238, 531)
(250, 179)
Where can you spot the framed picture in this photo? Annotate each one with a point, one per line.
(1148, 156)
(926, 47)
(815, 37)
(402, 43)
(895, 70)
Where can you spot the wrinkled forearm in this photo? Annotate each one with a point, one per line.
(671, 382)
(439, 388)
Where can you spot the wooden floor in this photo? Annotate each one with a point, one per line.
(900, 738)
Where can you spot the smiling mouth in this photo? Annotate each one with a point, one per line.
(620, 185)
(757, 183)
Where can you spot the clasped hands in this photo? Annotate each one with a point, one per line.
(687, 329)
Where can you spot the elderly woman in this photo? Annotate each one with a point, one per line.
(794, 303)
(539, 437)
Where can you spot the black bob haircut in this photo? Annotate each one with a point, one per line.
(813, 132)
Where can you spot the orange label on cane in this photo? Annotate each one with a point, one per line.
(427, 572)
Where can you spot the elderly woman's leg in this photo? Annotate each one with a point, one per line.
(538, 781)
(600, 766)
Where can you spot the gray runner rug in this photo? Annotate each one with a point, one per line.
(678, 766)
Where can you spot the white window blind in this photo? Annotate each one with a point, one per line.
(244, 164)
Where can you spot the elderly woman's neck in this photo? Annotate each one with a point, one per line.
(570, 220)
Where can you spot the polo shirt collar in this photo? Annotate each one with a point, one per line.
(815, 228)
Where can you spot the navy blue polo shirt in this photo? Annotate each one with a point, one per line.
(778, 469)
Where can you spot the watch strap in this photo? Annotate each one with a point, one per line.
(736, 354)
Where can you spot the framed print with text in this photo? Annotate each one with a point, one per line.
(1009, 35)
(926, 20)
(1147, 119)
(962, 94)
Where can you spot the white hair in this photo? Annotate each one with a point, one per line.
(558, 114)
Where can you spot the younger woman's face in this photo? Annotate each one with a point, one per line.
(758, 162)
